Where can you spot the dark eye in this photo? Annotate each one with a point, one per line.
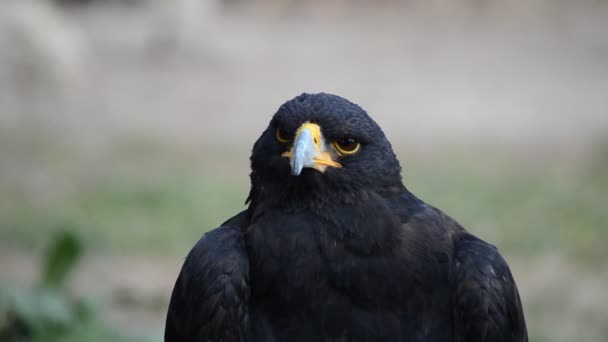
(347, 146)
(282, 136)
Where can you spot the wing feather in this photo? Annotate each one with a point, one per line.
(210, 298)
(485, 301)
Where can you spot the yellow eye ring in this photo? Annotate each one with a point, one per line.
(347, 146)
(281, 136)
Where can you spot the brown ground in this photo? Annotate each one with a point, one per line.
(135, 291)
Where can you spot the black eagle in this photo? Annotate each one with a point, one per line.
(333, 247)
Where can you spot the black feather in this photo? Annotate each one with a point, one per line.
(345, 255)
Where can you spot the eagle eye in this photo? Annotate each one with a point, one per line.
(346, 146)
(282, 137)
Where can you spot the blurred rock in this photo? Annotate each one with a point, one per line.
(42, 57)
(182, 26)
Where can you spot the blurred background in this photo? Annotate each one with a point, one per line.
(126, 128)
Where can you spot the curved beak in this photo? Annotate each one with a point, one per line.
(309, 150)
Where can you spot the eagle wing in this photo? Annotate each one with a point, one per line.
(485, 301)
(210, 297)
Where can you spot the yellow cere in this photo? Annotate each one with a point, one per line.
(315, 131)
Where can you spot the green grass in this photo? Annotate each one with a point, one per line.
(128, 216)
(145, 199)
(521, 206)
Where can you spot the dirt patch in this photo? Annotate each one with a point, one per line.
(563, 301)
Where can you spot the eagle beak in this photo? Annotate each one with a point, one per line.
(309, 150)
